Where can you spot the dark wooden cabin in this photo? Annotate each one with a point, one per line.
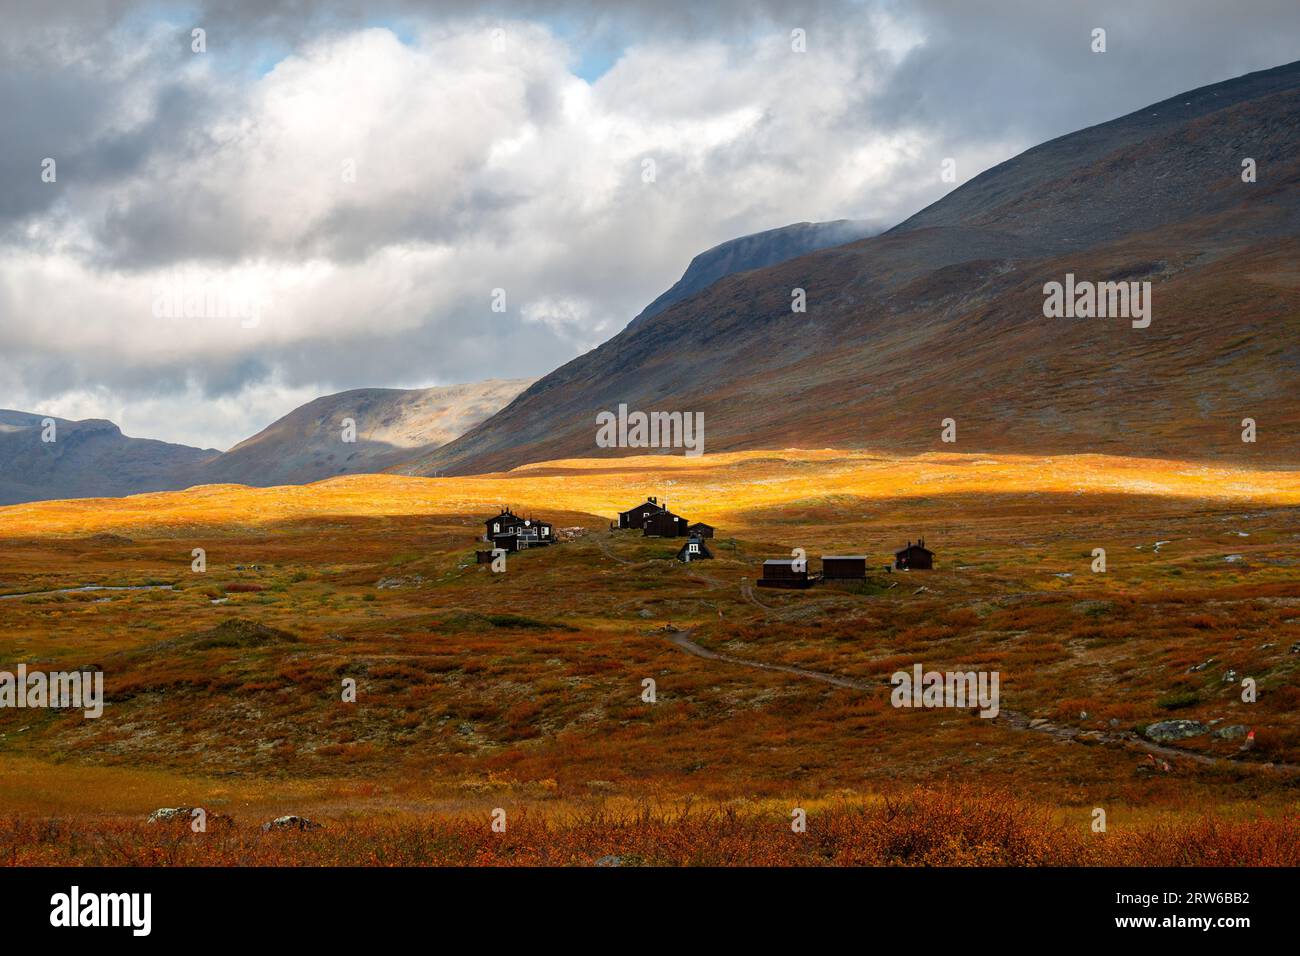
(844, 567)
(781, 573)
(501, 524)
(915, 557)
(694, 550)
(702, 529)
(665, 524)
(636, 517)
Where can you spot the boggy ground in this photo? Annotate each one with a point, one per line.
(523, 690)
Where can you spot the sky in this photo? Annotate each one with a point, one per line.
(394, 194)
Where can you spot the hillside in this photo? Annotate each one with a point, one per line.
(755, 251)
(90, 458)
(942, 316)
(392, 424)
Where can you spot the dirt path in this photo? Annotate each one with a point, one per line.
(1006, 718)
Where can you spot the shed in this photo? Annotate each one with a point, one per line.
(844, 567)
(694, 550)
(915, 557)
(702, 529)
(782, 573)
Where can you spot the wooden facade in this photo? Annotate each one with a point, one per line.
(665, 524)
(844, 567)
(782, 573)
(636, 517)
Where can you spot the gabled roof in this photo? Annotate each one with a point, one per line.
(844, 557)
(653, 506)
(913, 547)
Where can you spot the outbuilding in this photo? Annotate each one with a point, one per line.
(844, 567)
(694, 550)
(785, 573)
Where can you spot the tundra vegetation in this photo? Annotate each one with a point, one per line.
(523, 691)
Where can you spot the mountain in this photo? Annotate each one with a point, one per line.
(392, 425)
(755, 252)
(94, 459)
(90, 458)
(943, 315)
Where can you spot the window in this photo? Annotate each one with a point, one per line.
(695, 549)
(496, 527)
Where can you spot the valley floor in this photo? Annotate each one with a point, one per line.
(523, 691)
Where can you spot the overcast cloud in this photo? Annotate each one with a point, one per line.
(495, 147)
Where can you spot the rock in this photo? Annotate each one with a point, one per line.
(169, 814)
(1201, 666)
(1083, 715)
(1231, 732)
(1037, 722)
(610, 861)
(1114, 721)
(1167, 731)
(290, 822)
(1230, 677)
(1295, 648)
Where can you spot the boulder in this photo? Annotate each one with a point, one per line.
(1168, 731)
(290, 822)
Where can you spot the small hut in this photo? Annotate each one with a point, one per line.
(783, 573)
(915, 557)
(694, 550)
(701, 529)
(844, 567)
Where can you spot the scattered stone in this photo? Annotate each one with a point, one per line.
(1229, 677)
(1231, 732)
(1114, 721)
(610, 861)
(1295, 648)
(1233, 558)
(1083, 715)
(168, 814)
(1168, 731)
(1037, 722)
(290, 822)
(1200, 667)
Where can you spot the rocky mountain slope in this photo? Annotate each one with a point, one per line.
(943, 316)
(392, 425)
(756, 251)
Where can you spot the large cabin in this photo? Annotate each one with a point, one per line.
(515, 533)
(665, 524)
(504, 523)
(636, 517)
(915, 557)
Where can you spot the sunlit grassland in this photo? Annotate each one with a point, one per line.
(523, 689)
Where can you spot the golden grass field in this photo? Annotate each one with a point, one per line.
(522, 690)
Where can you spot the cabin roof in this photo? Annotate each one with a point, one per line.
(913, 547)
(785, 561)
(844, 557)
(645, 504)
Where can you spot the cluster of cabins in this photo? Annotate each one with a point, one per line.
(656, 521)
(839, 568)
(511, 532)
